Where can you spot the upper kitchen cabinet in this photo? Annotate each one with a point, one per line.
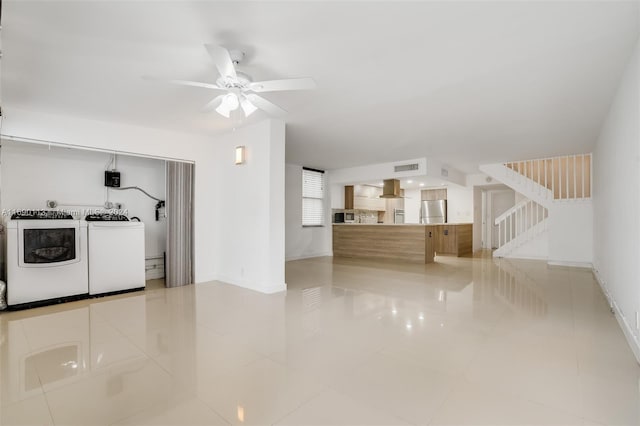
(348, 197)
(434, 194)
(363, 197)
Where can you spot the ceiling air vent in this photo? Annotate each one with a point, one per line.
(405, 167)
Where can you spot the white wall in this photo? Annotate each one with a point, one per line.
(571, 233)
(412, 205)
(616, 200)
(303, 242)
(536, 248)
(439, 170)
(374, 172)
(459, 204)
(213, 157)
(32, 174)
(336, 194)
(249, 223)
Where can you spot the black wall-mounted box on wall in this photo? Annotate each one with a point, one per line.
(112, 179)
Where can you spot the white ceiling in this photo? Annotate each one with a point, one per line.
(467, 83)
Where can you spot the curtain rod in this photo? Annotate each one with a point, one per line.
(89, 148)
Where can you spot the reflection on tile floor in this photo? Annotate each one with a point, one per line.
(462, 341)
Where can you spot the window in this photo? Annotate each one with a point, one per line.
(312, 197)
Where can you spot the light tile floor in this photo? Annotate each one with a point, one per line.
(462, 341)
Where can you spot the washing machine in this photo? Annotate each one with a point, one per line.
(46, 257)
(116, 254)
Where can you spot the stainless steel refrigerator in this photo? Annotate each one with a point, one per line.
(433, 211)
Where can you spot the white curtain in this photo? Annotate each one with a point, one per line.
(179, 209)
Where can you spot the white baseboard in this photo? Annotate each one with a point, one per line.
(587, 265)
(627, 330)
(309, 256)
(523, 257)
(265, 288)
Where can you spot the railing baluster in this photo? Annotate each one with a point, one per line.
(566, 175)
(553, 184)
(539, 178)
(575, 170)
(582, 168)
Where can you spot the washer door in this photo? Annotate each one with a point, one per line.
(48, 243)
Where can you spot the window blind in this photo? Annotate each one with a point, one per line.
(312, 197)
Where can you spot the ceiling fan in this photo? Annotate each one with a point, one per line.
(240, 88)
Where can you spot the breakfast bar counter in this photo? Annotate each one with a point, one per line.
(411, 243)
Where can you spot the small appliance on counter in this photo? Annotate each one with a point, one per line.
(116, 254)
(338, 218)
(349, 217)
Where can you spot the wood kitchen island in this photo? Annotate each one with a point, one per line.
(402, 242)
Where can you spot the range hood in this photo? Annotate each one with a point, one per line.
(391, 189)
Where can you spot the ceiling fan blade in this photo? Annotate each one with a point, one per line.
(222, 59)
(196, 84)
(212, 103)
(185, 83)
(247, 107)
(265, 105)
(288, 84)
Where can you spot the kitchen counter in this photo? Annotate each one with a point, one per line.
(404, 242)
(402, 224)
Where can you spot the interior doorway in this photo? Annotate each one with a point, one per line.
(40, 175)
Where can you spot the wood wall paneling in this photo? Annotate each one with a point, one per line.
(398, 243)
(403, 243)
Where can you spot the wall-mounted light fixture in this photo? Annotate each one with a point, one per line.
(240, 158)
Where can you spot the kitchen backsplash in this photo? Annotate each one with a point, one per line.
(360, 216)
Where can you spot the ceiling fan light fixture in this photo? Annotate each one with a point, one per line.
(223, 110)
(248, 107)
(231, 101)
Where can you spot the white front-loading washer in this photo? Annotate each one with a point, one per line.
(46, 257)
(116, 255)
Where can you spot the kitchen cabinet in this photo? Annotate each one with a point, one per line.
(454, 239)
(391, 205)
(430, 243)
(433, 194)
(367, 197)
(348, 197)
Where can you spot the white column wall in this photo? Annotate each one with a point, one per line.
(616, 201)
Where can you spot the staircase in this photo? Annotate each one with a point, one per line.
(519, 225)
(544, 182)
